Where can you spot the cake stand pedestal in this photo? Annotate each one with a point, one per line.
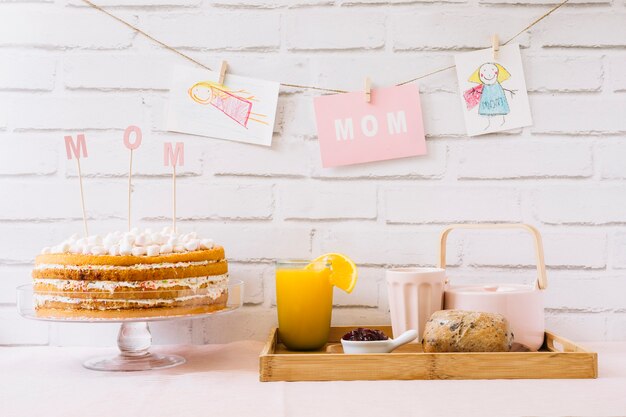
(134, 339)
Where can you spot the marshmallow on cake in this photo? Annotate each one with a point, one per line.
(132, 274)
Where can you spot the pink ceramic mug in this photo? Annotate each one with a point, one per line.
(414, 295)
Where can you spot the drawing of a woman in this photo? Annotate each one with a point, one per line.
(235, 104)
(489, 94)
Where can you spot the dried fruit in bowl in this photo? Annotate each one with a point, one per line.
(365, 335)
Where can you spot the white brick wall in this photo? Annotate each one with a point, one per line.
(232, 30)
(72, 69)
(334, 29)
(49, 27)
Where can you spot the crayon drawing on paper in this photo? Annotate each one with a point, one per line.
(235, 104)
(493, 91)
(242, 110)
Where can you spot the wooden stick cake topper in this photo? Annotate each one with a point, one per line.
(131, 146)
(75, 149)
(174, 157)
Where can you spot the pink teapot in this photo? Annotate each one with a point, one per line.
(521, 304)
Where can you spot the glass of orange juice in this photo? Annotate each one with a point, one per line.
(304, 298)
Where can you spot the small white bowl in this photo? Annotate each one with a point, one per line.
(378, 346)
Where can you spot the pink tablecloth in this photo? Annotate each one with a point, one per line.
(222, 380)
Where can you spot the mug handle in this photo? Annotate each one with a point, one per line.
(542, 280)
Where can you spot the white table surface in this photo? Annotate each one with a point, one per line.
(222, 380)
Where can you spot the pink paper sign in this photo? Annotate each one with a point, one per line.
(353, 131)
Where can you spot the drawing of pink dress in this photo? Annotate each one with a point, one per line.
(232, 106)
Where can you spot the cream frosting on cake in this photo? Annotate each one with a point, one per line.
(134, 242)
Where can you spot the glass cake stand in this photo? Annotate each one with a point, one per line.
(134, 338)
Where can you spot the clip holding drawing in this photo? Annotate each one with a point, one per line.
(368, 90)
(223, 69)
(495, 46)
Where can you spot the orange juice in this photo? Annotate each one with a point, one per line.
(304, 298)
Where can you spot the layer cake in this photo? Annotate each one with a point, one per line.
(129, 275)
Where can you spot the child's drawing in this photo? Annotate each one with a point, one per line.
(243, 109)
(235, 104)
(489, 94)
(492, 102)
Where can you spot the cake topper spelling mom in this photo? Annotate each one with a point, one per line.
(172, 156)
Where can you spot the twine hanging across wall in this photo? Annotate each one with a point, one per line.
(309, 87)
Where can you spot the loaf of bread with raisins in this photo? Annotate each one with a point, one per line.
(467, 331)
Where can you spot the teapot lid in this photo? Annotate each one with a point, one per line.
(493, 289)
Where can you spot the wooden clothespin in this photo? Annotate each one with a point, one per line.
(495, 46)
(223, 69)
(368, 89)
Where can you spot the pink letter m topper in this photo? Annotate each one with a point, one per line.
(352, 131)
(76, 148)
(174, 157)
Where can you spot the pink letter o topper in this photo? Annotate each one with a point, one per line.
(128, 132)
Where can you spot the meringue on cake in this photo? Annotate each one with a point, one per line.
(132, 274)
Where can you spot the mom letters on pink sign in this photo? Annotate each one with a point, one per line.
(352, 131)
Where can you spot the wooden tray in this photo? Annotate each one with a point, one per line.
(558, 359)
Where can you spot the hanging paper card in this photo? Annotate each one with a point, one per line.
(353, 131)
(493, 92)
(242, 110)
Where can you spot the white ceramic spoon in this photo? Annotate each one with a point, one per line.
(378, 346)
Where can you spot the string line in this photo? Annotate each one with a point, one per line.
(539, 19)
(311, 87)
(147, 35)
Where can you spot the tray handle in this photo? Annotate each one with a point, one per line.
(542, 280)
(556, 343)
